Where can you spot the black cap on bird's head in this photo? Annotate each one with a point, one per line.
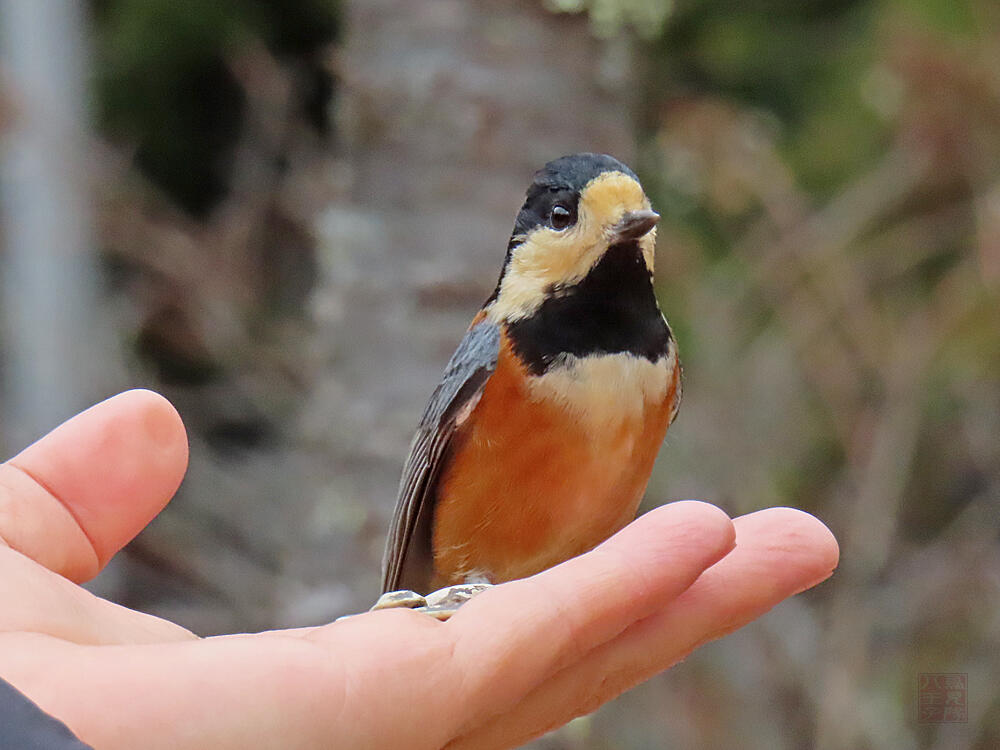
(576, 170)
(576, 208)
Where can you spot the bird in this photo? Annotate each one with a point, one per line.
(539, 441)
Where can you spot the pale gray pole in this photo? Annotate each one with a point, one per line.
(47, 275)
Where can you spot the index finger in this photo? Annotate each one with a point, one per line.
(511, 638)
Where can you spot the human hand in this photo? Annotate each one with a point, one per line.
(516, 661)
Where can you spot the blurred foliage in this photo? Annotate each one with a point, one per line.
(166, 85)
(609, 17)
(829, 173)
(839, 155)
(803, 64)
(213, 115)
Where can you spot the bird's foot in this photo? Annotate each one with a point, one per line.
(445, 602)
(441, 604)
(395, 599)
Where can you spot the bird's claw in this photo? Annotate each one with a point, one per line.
(440, 604)
(395, 599)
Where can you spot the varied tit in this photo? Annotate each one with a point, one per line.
(538, 443)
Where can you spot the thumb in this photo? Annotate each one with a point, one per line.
(71, 500)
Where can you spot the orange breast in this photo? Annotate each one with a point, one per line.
(533, 481)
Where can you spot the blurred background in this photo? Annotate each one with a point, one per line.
(283, 215)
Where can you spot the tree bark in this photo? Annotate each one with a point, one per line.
(445, 110)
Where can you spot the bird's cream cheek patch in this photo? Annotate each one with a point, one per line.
(549, 259)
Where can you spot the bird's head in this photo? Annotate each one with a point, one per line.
(576, 209)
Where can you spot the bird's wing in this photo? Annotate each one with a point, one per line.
(408, 561)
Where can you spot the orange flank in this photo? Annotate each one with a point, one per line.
(531, 484)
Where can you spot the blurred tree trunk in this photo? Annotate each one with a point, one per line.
(445, 111)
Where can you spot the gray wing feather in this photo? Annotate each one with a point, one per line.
(408, 561)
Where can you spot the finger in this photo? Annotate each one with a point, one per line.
(507, 640)
(510, 639)
(75, 497)
(779, 552)
(36, 600)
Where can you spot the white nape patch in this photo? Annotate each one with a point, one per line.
(605, 391)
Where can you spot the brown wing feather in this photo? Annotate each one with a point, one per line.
(409, 560)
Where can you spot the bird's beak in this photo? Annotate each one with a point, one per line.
(633, 225)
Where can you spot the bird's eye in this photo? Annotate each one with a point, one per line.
(561, 217)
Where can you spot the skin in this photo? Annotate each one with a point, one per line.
(516, 661)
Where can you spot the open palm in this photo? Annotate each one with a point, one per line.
(518, 660)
